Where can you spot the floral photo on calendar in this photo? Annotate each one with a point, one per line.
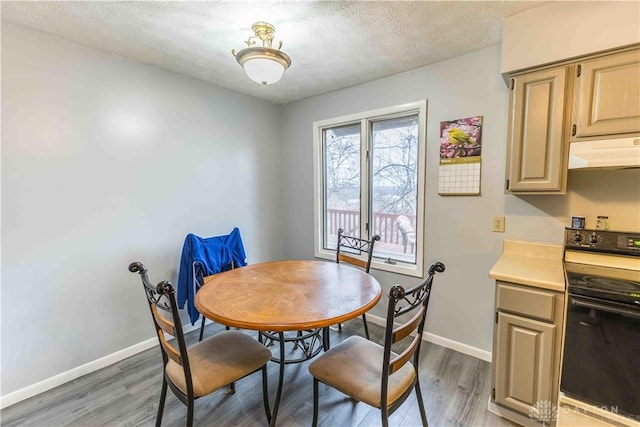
(460, 138)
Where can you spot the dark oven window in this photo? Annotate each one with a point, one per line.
(601, 363)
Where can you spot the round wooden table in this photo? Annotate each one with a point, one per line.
(287, 296)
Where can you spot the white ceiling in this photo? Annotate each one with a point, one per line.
(332, 45)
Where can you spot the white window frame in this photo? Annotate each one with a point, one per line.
(365, 118)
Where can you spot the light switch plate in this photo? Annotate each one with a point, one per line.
(498, 224)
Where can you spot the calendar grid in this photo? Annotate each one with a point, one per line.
(459, 178)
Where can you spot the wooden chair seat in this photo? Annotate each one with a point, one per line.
(355, 368)
(218, 361)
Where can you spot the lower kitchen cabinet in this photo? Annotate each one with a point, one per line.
(526, 353)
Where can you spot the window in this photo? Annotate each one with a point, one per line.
(369, 171)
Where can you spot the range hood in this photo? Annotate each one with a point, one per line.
(618, 153)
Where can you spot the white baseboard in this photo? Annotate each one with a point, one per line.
(444, 342)
(70, 375)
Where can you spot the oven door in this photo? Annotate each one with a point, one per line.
(601, 362)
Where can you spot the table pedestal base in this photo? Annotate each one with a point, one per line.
(299, 345)
(309, 343)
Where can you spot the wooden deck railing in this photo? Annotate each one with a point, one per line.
(384, 224)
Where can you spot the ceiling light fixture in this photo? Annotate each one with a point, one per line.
(265, 64)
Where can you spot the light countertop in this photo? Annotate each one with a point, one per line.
(531, 263)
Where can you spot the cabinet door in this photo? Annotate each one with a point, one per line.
(523, 374)
(607, 95)
(536, 159)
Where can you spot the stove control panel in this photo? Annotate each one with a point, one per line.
(602, 241)
(630, 242)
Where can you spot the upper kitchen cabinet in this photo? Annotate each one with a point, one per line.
(607, 96)
(597, 98)
(537, 138)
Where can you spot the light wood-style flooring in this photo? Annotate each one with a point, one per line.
(455, 387)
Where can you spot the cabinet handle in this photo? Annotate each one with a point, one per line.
(579, 70)
(512, 83)
(573, 130)
(507, 185)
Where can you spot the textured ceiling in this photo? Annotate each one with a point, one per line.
(332, 45)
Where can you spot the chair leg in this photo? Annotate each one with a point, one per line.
(163, 396)
(190, 403)
(384, 413)
(315, 402)
(232, 389)
(298, 343)
(423, 414)
(326, 342)
(265, 393)
(201, 329)
(366, 328)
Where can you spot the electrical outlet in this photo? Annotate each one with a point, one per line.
(498, 224)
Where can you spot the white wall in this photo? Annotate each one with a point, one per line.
(107, 161)
(458, 229)
(614, 193)
(566, 29)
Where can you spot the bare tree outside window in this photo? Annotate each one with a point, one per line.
(342, 182)
(393, 184)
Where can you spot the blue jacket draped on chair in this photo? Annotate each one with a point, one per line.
(203, 257)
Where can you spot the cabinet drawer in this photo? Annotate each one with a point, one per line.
(530, 302)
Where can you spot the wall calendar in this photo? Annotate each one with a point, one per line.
(460, 157)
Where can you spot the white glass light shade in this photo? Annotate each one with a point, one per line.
(263, 65)
(263, 70)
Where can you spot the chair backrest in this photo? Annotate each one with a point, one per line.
(405, 227)
(348, 246)
(163, 297)
(404, 224)
(401, 302)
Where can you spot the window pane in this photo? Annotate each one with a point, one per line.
(394, 187)
(341, 147)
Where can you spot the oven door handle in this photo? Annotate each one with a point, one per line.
(603, 307)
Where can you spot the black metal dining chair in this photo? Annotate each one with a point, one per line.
(347, 247)
(372, 373)
(205, 367)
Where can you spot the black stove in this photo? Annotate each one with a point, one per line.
(595, 277)
(600, 362)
